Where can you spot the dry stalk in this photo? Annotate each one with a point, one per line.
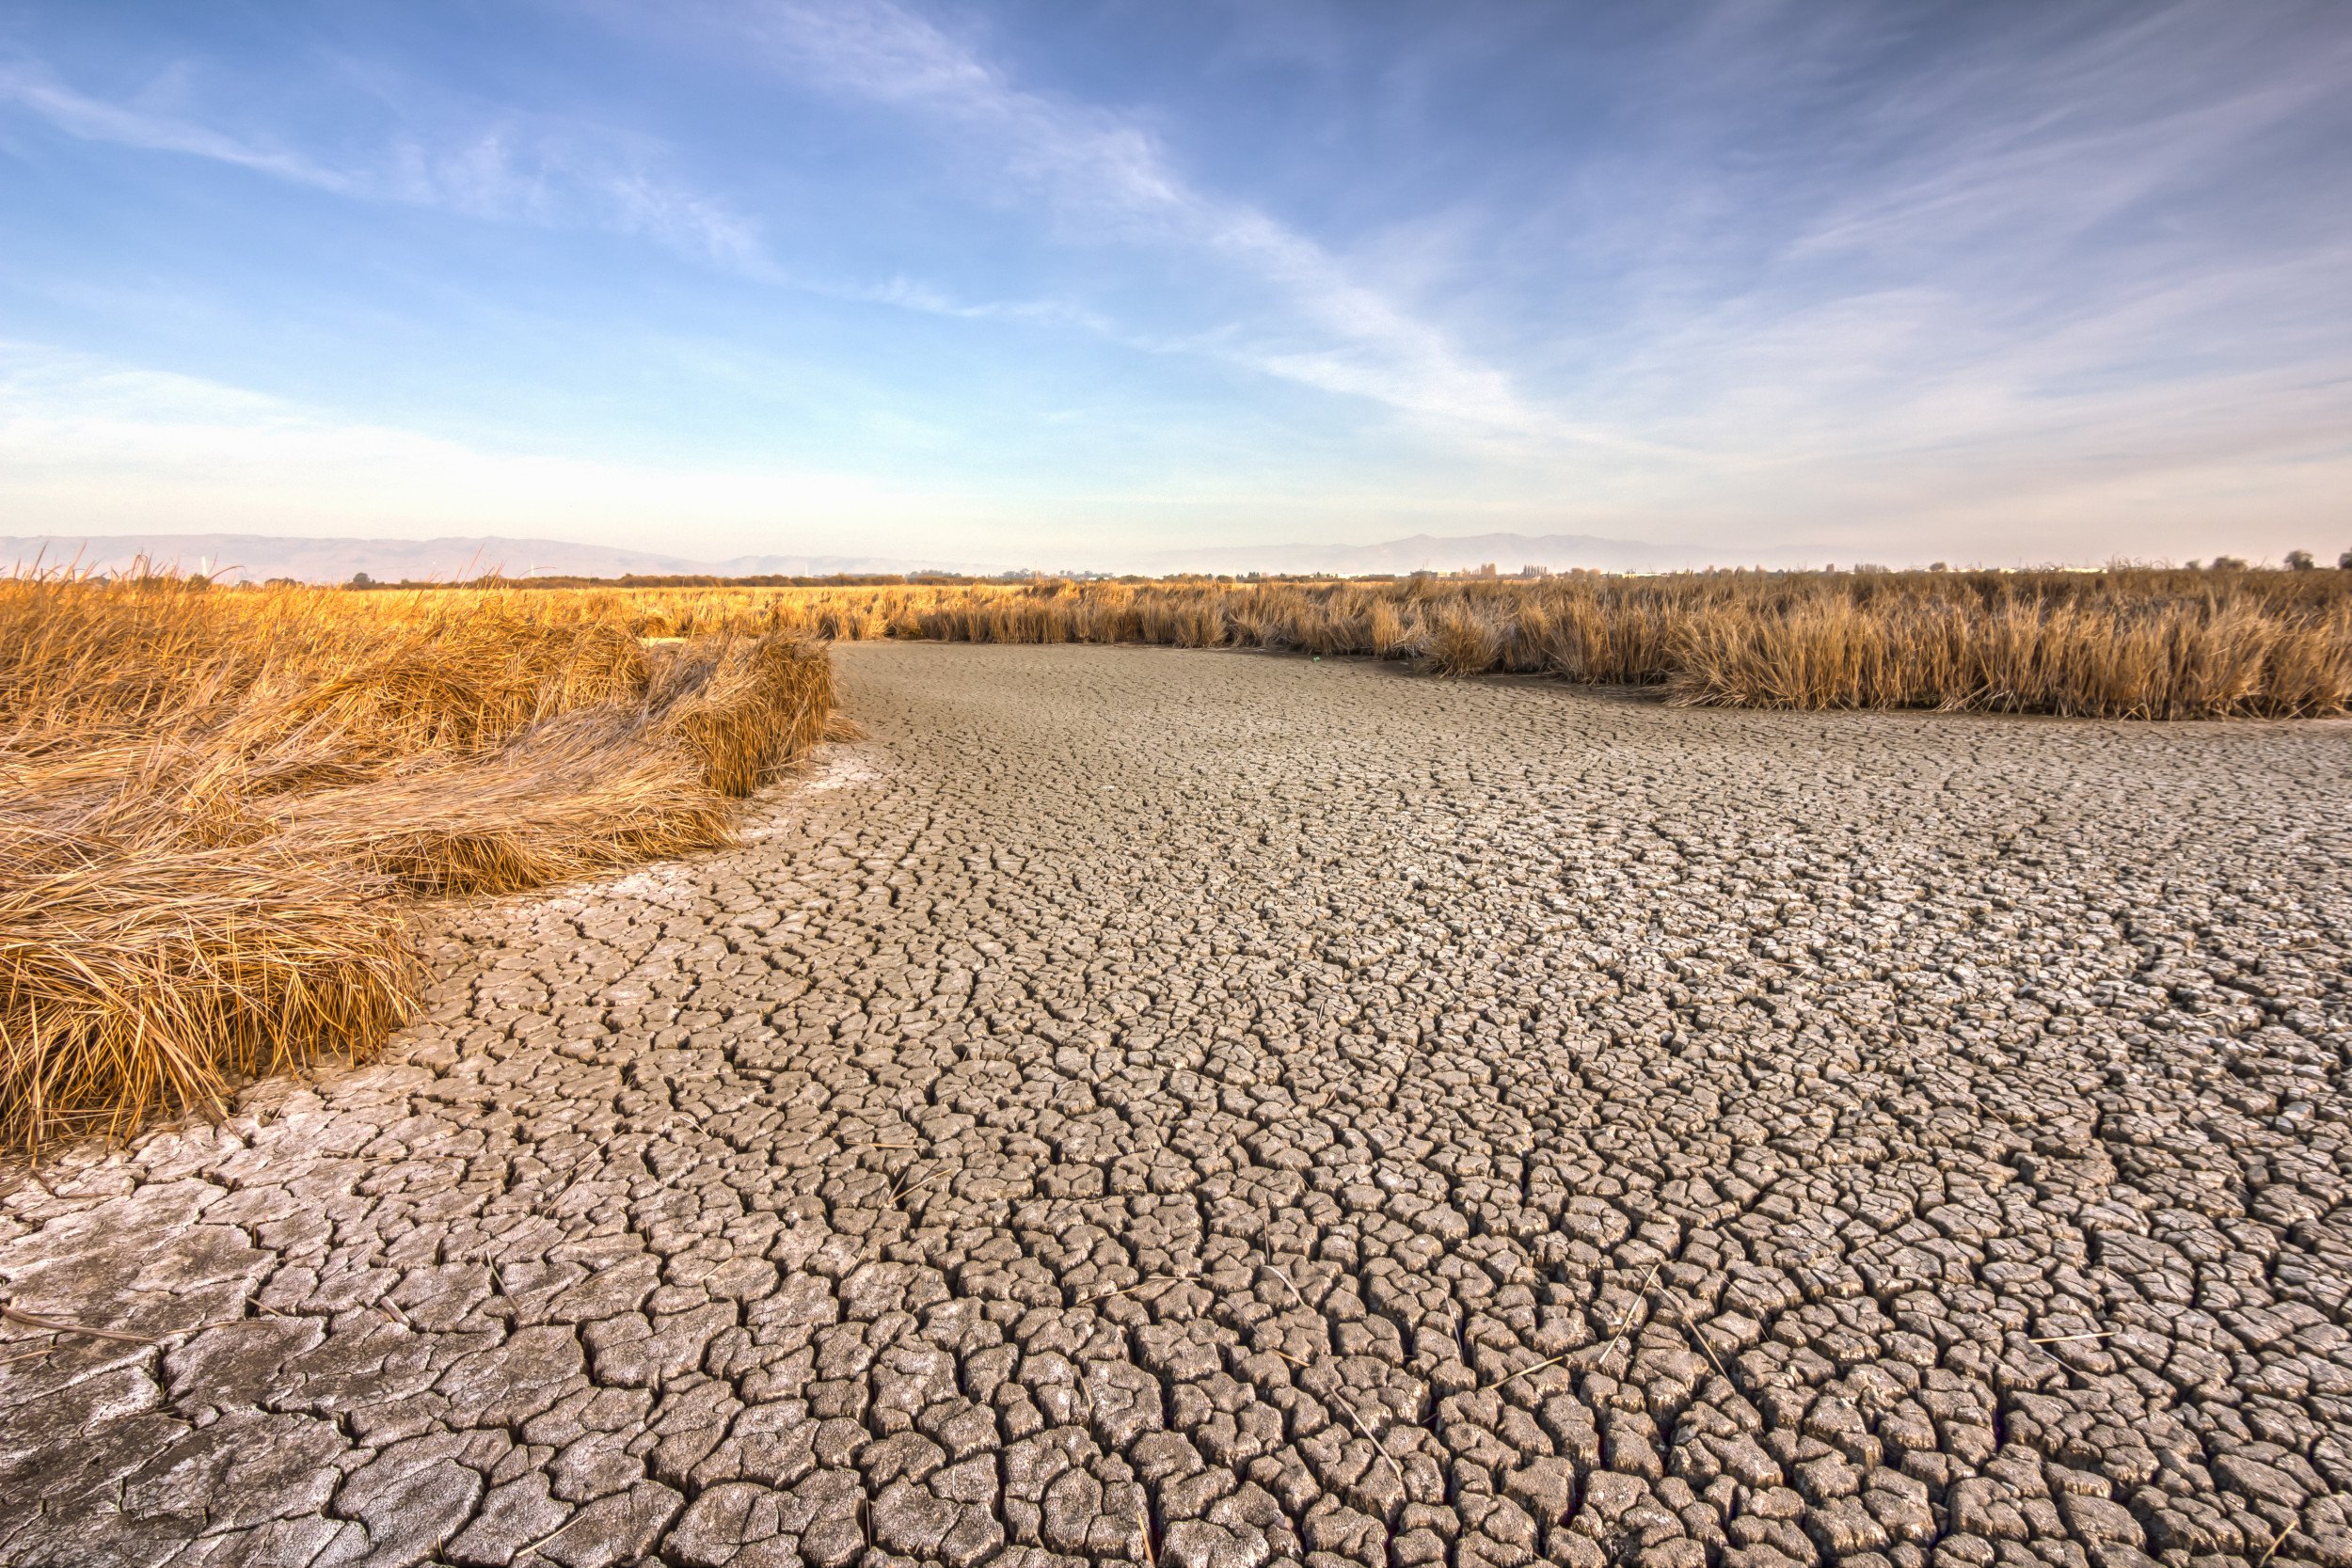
(59, 1326)
(1140, 1284)
(1371, 1438)
(1640, 1296)
(1698, 1333)
(1143, 1529)
(1296, 1295)
(1513, 1377)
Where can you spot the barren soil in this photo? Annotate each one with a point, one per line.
(1223, 1109)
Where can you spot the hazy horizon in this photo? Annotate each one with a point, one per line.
(331, 558)
(1066, 283)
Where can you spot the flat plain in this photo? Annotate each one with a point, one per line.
(1214, 1108)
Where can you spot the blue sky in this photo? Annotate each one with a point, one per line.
(1068, 282)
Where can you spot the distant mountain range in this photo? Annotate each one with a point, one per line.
(1508, 552)
(250, 557)
(253, 556)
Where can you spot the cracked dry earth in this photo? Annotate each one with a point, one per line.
(1216, 1109)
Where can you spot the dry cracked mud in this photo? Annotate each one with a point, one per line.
(1218, 1109)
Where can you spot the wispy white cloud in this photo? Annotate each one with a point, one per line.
(1105, 176)
(506, 166)
(1978, 262)
(2033, 141)
(929, 299)
(95, 119)
(89, 446)
(93, 446)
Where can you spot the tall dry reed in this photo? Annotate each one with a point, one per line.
(218, 807)
(2128, 642)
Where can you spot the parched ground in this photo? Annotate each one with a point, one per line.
(1218, 1109)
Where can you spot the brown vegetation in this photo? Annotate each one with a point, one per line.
(218, 807)
(2127, 644)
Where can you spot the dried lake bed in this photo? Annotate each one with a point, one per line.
(1211, 1108)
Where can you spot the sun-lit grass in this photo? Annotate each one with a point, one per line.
(218, 807)
(2130, 643)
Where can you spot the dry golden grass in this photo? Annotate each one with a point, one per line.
(2129, 642)
(218, 807)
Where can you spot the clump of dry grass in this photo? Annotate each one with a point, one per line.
(217, 808)
(130, 982)
(2128, 642)
(1462, 642)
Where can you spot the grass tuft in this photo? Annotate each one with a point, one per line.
(217, 808)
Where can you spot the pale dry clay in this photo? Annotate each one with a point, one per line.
(1208, 1108)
